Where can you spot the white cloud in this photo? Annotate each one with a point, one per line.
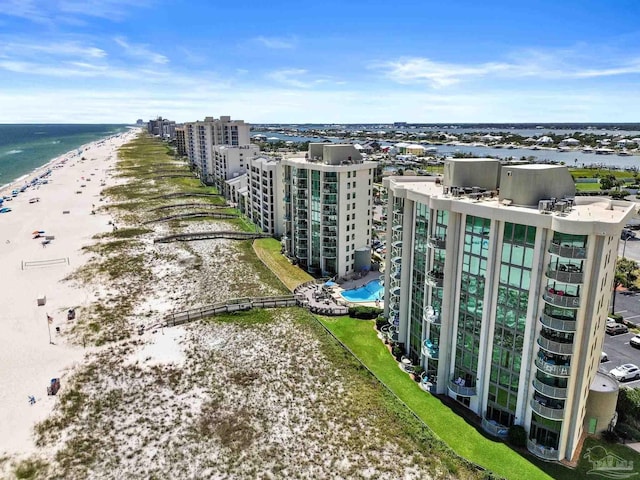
(290, 77)
(277, 42)
(534, 64)
(141, 51)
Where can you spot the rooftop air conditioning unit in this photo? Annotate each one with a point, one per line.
(545, 206)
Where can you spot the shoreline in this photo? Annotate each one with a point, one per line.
(16, 183)
(35, 350)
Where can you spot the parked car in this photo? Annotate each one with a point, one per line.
(616, 328)
(628, 371)
(603, 357)
(635, 341)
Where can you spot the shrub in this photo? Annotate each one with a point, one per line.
(381, 321)
(628, 405)
(362, 312)
(397, 352)
(417, 371)
(517, 436)
(610, 436)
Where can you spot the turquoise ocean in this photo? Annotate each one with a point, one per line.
(26, 147)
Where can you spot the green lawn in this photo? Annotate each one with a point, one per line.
(588, 187)
(268, 250)
(463, 438)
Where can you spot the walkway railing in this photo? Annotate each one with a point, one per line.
(234, 305)
(179, 216)
(231, 235)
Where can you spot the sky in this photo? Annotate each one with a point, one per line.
(348, 61)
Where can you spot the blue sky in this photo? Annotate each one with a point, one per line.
(87, 61)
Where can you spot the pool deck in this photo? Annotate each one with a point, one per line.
(357, 283)
(330, 300)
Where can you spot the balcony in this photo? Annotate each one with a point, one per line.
(397, 228)
(547, 412)
(429, 314)
(548, 366)
(494, 428)
(560, 348)
(287, 199)
(435, 278)
(546, 453)
(329, 252)
(548, 390)
(458, 387)
(396, 261)
(330, 189)
(437, 242)
(568, 251)
(560, 299)
(560, 324)
(562, 274)
(395, 291)
(430, 350)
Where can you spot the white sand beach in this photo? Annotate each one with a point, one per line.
(63, 212)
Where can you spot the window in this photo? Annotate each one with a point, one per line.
(347, 206)
(354, 195)
(347, 217)
(353, 205)
(347, 248)
(353, 236)
(348, 195)
(354, 184)
(347, 228)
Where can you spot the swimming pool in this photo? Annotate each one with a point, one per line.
(370, 292)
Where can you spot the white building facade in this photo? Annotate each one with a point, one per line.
(202, 136)
(265, 199)
(229, 161)
(328, 211)
(498, 281)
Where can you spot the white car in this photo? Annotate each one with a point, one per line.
(635, 341)
(628, 371)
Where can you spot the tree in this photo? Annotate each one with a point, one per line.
(625, 276)
(607, 182)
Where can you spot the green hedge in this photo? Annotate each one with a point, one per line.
(364, 313)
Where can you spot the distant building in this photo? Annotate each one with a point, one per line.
(497, 282)
(181, 143)
(161, 127)
(202, 136)
(327, 209)
(140, 122)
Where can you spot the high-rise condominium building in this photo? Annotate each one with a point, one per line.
(498, 281)
(328, 211)
(227, 162)
(201, 136)
(265, 195)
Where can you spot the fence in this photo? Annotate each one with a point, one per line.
(45, 263)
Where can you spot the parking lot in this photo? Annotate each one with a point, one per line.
(617, 347)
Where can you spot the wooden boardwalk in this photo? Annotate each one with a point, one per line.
(234, 305)
(231, 235)
(180, 216)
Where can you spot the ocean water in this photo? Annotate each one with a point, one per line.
(25, 147)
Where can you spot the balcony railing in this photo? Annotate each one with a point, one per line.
(329, 252)
(397, 228)
(461, 389)
(395, 291)
(561, 299)
(548, 390)
(437, 242)
(557, 323)
(568, 252)
(430, 315)
(494, 428)
(565, 276)
(547, 453)
(429, 350)
(552, 368)
(435, 278)
(547, 412)
(555, 347)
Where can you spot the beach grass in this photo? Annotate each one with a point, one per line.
(361, 338)
(269, 251)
